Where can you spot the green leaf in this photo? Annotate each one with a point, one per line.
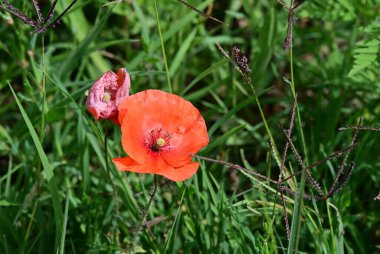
(47, 173)
(365, 55)
(4, 202)
(190, 225)
(232, 112)
(179, 59)
(209, 70)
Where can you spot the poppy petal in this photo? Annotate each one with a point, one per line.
(151, 115)
(134, 102)
(139, 114)
(158, 107)
(128, 164)
(106, 94)
(187, 140)
(124, 83)
(93, 111)
(132, 139)
(181, 173)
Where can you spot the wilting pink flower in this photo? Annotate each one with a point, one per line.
(107, 93)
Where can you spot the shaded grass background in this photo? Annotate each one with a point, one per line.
(219, 210)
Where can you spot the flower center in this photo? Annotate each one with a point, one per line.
(106, 97)
(160, 142)
(157, 141)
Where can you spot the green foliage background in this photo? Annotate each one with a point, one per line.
(220, 210)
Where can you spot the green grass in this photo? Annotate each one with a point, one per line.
(56, 195)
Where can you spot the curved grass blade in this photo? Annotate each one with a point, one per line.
(232, 112)
(47, 173)
(213, 67)
(168, 240)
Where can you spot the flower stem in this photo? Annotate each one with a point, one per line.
(110, 178)
(155, 180)
(145, 212)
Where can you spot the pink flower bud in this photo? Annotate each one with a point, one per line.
(107, 93)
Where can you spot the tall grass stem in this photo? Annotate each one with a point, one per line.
(163, 47)
(295, 228)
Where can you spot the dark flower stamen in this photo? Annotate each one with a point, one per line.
(157, 140)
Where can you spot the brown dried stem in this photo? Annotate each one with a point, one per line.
(243, 69)
(343, 165)
(291, 19)
(38, 10)
(200, 12)
(18, 14)
(235, 166)
(41, 24)
(360, 128)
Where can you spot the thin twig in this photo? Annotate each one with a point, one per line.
(200, 12)
(343, 165)
(235, 166)
(344, 180)
(18, 14)
(291, 125)
(245, 75)
(155, 180)
(41, 24)
(298, 156)
(57, 20)
(314, 183)
(224, 53)
(145, 212)
(285, 216)
(336, 154)
(109, 172)
(50, 13)
(38, 10)
(305, 195)
(289, 37)
(289, 131)
(282, 4)
(291, 19)
(360, 128)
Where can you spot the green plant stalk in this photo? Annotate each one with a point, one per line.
(297, 108)
(277, 155)
(145, 213)
(332, 233)
(110, 179)
(296, 225)
(43, 92)
(9, 174)
(163, 48)
(155, 182)
(31, 222)
(175, 221)
(64, 225)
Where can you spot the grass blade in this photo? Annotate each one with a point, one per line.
(47, 173)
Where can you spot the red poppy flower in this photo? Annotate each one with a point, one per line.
(159, 131)
(107, 93)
